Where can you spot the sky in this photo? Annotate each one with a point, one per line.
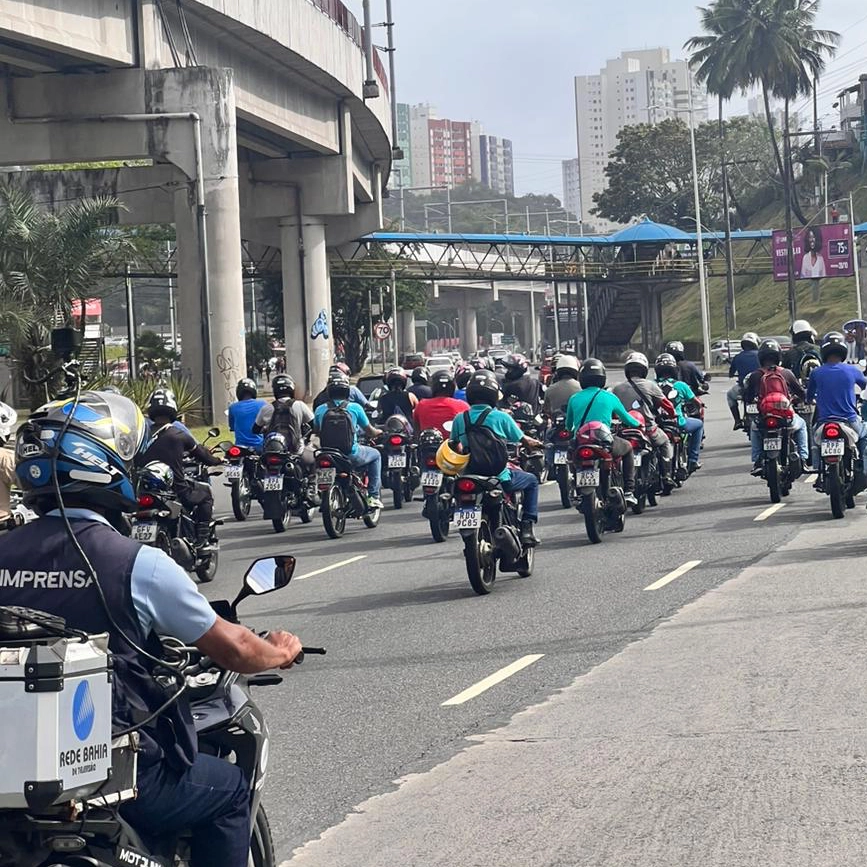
(510, 63)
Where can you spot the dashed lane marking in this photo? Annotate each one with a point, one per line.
(492, 680)
(772, 510)
(672, 576)
(330, 568)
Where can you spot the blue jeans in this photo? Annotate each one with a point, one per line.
(529, 484)
(370, 461)
(694, 428)
(800, 429)
(211, 798)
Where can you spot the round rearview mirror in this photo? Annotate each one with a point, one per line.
(708, 377)
(213, 432)
(269, 574)
(672, 395)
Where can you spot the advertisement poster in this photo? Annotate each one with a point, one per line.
(820, 251)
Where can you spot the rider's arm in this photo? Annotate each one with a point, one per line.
(811, 388)
(236, 648)
(795, 387)
(733, 371)
(750, 386)
(202, 454)
(263, 419)
(232, 418)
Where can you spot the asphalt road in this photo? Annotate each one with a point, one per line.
(405, 633)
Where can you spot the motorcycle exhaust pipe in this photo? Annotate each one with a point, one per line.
(358, 504)
(182, 554)
(507, 543)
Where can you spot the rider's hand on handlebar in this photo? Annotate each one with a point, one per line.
(532, 443)
(287, 642)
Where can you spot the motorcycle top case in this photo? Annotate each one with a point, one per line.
(55, 721)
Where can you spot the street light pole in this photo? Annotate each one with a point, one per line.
(855, 262)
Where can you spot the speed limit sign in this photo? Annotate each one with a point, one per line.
(382, 331)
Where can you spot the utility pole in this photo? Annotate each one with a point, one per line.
(731, 313)
(130, 324)
(172, 325)
(393, 279)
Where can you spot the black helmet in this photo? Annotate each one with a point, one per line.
(442, 384)
(421, 375)
(482, 362)
(463, 375)
(483, 388)
(516, 365)
(592, 373)
(337, 387)
(430, 438)
(395, 378)
(162, 404)
(675, 348)
(283, 385)
(248, 387)
(770, 351)
(833, 343)
(665, 366)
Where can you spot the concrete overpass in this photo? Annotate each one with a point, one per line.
(251, 121)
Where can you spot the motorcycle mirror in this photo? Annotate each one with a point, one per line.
(708, 377)
(213, 432)
(266, 575)
(672, 395)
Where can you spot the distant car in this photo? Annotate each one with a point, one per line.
(440, 362)
(413, 360)
(368, 384)
(723, 351)
(785, 340)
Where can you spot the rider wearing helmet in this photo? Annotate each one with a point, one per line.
(441, 408)
(833, 385)
(242, 414)
(462, 378)
(804, 346)
(770, 358)
(565, 384)
(483, 394)
(133, 593)
(741, 366)
(519, 384)
(688, 371)
(355, 394)
(420, 383)
(287, 416)
(364, 458)
(8, 417)
(169, 446)
(482, 362)
(666, 371)
(397, 400)
(641, 394)
(594, 403)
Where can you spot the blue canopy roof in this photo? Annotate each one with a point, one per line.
(648, 232)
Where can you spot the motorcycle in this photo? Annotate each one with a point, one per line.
(486, 516)
(781, 465)
(750, 416)
(242, 477)
(647, 478)
(561, 442)
(533, 425)
(286, 488)
(838, 448)
(85, 827)
(343, 493)
(438, 489)
(400, 472)
(598, 481)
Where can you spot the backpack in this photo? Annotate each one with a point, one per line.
(771, 386)
(488, 453)
(807, 363)
(283, 421)
(337, 428)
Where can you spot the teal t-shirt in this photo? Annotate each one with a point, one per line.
(501, 423)
(599, 405)
(359, 418)
(684, 394)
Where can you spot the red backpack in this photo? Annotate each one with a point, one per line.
(773, 391)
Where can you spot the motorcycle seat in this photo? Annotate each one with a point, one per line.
(486, 483)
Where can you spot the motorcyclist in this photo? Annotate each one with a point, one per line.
(667, 371)
(141, 594)
(397, 400)
(361, 457)
(169, 445)
(640, 393)
(482, 362)
(483, 392)
(565, 384)
(355, 393)
(770, 357)
(519, 384)
(420, 383)
(688, 371)
(462, 378)
(8, 418)
(594, 403)
(243, 413)
(441, 408)
(832, 386)
(287, 416)
(803, 346)
(741, 366)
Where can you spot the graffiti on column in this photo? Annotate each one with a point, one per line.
(227, 364)
(320, 326)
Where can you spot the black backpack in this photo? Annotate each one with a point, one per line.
(337, 428)
(488, 453)
(283, 421)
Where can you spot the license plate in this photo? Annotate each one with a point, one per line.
(144, 531)
(774, 444)
(396, 462)
(234, 473)
(272, 483)
(752, 409)
(561, 457)
(638, 459)
(468, 519)
(431, 479)
(832, 447)
(326, 477)
(588, 479)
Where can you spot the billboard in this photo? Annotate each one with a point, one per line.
(92, 307)
(820, 251)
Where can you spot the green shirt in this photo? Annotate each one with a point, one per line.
(501, 423)
(684, 394)
(603, 407)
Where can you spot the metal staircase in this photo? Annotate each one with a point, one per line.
(614, 316)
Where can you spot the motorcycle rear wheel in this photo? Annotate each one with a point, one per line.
(563, 480)
(208, 570)
(334, 513)
(772, 476)
(594, 517)
(834, 487)
(440, 523)
(241, 499)
(525, 563)
(480, 559)
(397, 490)
(280, 524)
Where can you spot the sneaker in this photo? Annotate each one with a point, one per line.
(374, 503)
(739, 425)
(757, 470)
(630, 498)
(693, 468)
(809, 470)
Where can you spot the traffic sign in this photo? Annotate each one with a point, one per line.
(381, 330)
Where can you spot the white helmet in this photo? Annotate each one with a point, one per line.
(801, 326)
(568, 362)
(639, 360)
(750, 340)
(8, 418)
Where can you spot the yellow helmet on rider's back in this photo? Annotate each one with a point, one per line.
(450, 462)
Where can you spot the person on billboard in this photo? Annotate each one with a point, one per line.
(813, 263)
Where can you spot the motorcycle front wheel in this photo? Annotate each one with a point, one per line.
(241, 498)
(480, 559)
(261, 842)
(334, 513)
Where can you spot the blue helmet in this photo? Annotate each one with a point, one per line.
(94, 457)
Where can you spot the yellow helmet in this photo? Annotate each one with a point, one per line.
(450, 462)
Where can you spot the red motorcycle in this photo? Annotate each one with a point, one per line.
(598, 479)
(648, 482)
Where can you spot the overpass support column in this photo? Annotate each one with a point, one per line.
(407, 331)
(306, 303)
(469, 326)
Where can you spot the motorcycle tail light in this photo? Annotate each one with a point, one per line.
(234, 452)
(564, 435)
(396, 440)
(832, 431)
(585, 453)
(273, 460)
(772, 422)
(466, 486)
(146, 501)
(325, 463)
(430, 462)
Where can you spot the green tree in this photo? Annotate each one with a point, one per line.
(151, 349)
(258, 347)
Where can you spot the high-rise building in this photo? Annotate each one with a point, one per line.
(572, 186)
(637, 87)
(420, 117)
(497, 166)
(402, 169)
(454, 152)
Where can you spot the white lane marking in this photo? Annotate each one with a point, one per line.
(667, 579)
(492, 680)
(330, 568)
(763, 516)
